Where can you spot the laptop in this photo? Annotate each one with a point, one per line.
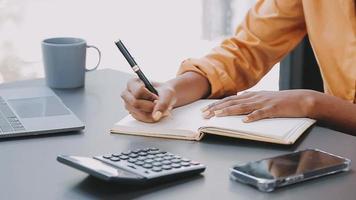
(33, 111)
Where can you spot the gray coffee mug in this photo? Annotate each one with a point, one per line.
(64, 61)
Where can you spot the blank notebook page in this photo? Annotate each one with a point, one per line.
(278, 128)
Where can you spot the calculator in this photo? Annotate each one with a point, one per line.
(135, 166)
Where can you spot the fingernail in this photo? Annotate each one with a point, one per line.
(155, 101)
(157, 115)
(206, 114)
(246, 119)
(218, 113)
(170, 108)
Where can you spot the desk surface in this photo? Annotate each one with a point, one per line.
(29, 169)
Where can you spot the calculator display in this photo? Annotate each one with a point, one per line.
(101, 167)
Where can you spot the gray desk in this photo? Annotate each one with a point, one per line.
(29, 170)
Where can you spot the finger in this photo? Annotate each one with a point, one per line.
(137, 88)
(143, 105)
(139, 115)
(142, 118)
(259, 114)
(162, 109)
(238, 104)
(240, 109)
(163, 106)
(227, 99)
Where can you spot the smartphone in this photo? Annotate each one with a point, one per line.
(271, 173)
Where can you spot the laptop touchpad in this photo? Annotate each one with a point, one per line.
(38, 107)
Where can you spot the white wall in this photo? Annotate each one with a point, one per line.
(159, 33)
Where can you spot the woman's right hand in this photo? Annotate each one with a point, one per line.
(144, 105)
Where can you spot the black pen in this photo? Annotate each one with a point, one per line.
(135, 67)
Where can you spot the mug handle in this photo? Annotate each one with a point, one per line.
(97, 65)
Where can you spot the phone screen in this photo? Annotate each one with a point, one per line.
(291, 164)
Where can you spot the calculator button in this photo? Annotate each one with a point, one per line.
(141, 158)
(142, 153)
(150, 156)
(131, 160)
(158, 159)
(115, 159)
(156, 169)
(160, 155)
(185, 160)
(194, 163)
(166, 167)
(107, 156)
(157, 164)
(133, 155)
(177, 157)
(149, 161)
(185, 164)
(136, 151)
(139, 163)
(123, 157)
(146, 149)
(168, 157)
(147, 166)
(166, 162)
(175, 160)
(153, 149)
(176, 165)
(153, 152)
(126, 153)
(115, 155)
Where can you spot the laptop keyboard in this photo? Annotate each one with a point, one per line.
(8, 120)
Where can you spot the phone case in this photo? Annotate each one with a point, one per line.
(269, 185)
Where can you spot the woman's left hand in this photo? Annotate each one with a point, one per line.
(264, 104)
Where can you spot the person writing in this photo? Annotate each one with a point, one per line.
(270, 30)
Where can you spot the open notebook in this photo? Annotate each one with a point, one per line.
(187, 123)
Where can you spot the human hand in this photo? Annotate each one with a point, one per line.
(146, 106)
(264, 104)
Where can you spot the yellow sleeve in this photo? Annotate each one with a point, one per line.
(269, 31)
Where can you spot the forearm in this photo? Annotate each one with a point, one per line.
(335, 112)
(189, 87)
